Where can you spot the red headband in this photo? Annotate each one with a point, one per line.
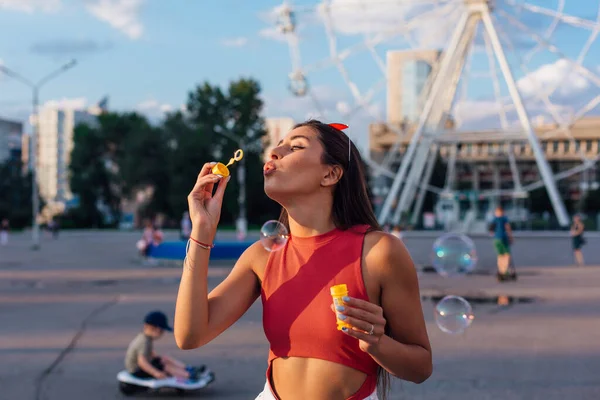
(339, 127)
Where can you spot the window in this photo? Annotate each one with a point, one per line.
(414, 76)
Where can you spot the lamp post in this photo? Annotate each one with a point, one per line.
(242, 222)
(35, 87)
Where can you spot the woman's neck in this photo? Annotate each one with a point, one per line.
(310, 218)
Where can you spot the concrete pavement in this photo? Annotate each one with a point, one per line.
(69, 311)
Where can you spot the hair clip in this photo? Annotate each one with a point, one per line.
(339, 127)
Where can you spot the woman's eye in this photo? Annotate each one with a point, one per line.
(296, 147)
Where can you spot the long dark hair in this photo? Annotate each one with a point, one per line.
(351, 204)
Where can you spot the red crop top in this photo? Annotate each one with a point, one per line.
(297, 316)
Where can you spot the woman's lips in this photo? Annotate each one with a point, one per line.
(269, 168)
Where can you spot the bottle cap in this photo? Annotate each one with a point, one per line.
(339, 290)
(220, 169)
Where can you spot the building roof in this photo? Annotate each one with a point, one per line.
(382, 135)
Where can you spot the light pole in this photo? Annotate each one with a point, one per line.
(35, 87)
(242, 222)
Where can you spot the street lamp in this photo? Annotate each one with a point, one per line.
(35, 87)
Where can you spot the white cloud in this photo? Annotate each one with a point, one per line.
(352, 17)
(559, 75)
(420, 25)
(473, 110)
(154, 108)
(122, 15)
(235, 42)
(470, 114)
(332, 107)
(302, 107)
(485, 114)
(343, 107)
(568, 92)
(156, 111)
(273, 18)
(31, 6)
(415, 25)
(272, 33)
(77, 103)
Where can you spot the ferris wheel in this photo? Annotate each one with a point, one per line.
(499, 66)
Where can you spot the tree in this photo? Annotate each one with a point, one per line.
(590, 202)
(232, 120)
(188, 150)
(15, 194)
(539, 201)
(93, 177)
(143, 161)
(124, 154)
(111, 161)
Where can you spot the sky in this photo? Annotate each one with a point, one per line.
(146, 55)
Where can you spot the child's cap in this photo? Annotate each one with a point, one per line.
(158, 319)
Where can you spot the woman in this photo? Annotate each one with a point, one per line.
(316, 174)
(577, 229)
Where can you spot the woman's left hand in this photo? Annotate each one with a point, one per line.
(366, 319)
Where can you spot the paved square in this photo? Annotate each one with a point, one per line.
(69, 311)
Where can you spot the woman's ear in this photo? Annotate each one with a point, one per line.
(333, 174)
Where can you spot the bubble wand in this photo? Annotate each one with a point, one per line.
(221, 169)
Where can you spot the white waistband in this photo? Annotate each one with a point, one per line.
(266, 394)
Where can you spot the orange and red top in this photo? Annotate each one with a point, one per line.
(297, 316)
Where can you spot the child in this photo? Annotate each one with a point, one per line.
(144, 245)
(141, 360)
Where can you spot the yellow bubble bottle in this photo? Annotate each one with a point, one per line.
(221, 169)
(338, 292)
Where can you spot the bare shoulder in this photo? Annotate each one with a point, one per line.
(386, 256)
(255, 258)
(255, 251)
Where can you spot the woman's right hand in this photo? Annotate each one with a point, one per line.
(204, 207)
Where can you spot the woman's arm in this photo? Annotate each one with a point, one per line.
(406, 352)
(200, 317)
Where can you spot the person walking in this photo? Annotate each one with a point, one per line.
(503, 239)
(577, 239)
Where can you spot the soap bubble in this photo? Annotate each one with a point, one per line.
(454, 254)
(273, 235)
(453, 314)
